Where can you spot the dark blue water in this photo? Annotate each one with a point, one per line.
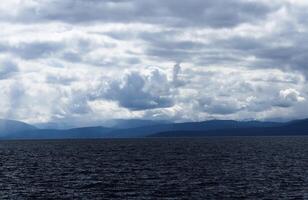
(207, 168)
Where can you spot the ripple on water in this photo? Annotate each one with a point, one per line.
(207, 168)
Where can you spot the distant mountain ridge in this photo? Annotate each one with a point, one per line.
(8, 127)
(20, 130)
(81, 133)
(189, 126)
(135, 123)
(293, 128)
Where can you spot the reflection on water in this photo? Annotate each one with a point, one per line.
(207, 168)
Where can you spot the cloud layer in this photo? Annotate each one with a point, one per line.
(79, 61)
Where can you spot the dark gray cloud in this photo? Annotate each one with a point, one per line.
(33, 50)
(268, 52)
(141, 92)
(7, 69)
(211, 13)
(175, 15)
(73, 57)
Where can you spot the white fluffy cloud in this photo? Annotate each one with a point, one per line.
(79, 61)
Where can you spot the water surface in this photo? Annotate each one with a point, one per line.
(192, 168)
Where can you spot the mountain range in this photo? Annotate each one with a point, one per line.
(10, 129)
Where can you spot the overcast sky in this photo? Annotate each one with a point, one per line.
(83, 61)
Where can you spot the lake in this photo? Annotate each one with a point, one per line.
(165, 168)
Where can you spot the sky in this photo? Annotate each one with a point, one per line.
(80, 62)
